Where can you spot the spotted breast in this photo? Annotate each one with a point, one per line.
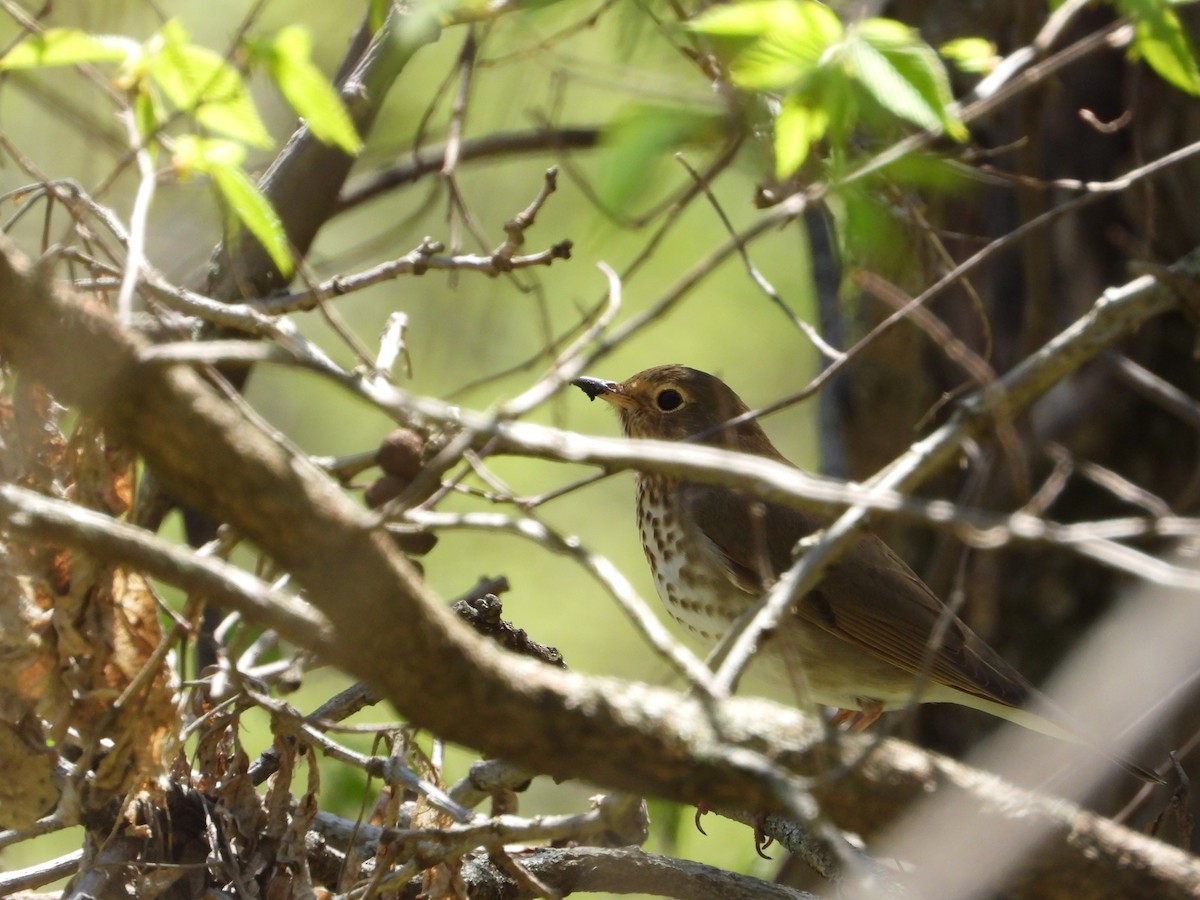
(697, 595)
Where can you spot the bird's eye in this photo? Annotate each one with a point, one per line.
(669, 399)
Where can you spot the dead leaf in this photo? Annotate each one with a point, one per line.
(28, 790)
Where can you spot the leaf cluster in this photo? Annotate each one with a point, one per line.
(168, 77)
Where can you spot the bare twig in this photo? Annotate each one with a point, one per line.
(425, 258)
(39, 516)
(609, 576)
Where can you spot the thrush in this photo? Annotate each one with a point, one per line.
(863, 637)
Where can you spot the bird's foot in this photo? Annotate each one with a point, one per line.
(762, 840)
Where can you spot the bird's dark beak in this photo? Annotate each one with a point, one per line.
(595, 387)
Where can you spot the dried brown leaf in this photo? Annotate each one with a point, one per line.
(26, 654)
(102, 473)
(122, 635)
(28, 790)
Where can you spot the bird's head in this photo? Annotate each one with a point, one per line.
(676, 403)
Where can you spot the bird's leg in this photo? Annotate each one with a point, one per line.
(867, 716)
(860, 719)
(842, 716)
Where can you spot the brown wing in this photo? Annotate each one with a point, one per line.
(870, 598)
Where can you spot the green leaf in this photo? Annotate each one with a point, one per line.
(1159, 39)
(903, 74)
(974, 55)
(145, 115)
(763, 17)
(254, 211)
(67, 47)
(789, 39)
(222, 161)
(797, 127)
(870, 233)
(196, 154)
(307, 90)
(203, 84)
(639, 139)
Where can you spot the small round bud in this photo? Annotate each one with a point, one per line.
(383, 489)
(415, 543)
(400, 453)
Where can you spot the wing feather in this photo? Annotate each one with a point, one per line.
(871, 599)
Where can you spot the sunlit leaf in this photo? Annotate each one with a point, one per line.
(145, 115)
(67, 47)
(1159, 38)
(789, 39)
(203, 84)
(254, 211)
(222, 160)
(191, 154)
(903, 74)
(288, 59)
(797, 127)
(974, 55)
(764, 17)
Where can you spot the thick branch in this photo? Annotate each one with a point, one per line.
(379, 610)
(304, 181)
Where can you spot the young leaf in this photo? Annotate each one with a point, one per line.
(309, 92)
(67, 47)
(191, 154)
(146, 117)
(797, 127)
(255, 212)
(789, 39)
(1160, 40)
(203, 84)
(904, 75)
(222, 162)
(761, 18)
(973, 55)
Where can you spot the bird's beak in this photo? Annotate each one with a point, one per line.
(598, 387)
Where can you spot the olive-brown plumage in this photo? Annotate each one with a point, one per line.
(860, 639)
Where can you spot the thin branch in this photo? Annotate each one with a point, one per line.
(427, 257)
(609, 576)
(390, 768)
(430, 159)
(138, 219)
(770, 480)
(756, 277)
(570, 363)
(41, 874)
(456, 840)
(37, 516)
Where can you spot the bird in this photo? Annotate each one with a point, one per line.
(860, 640)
